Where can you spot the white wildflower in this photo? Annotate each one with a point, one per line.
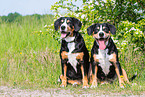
(45, 26)
(83, 16)
(132, 29)
(115, 41)
(136, 33)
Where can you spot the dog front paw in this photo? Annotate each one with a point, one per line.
(63, 85)
(85, 86)
(94, 84)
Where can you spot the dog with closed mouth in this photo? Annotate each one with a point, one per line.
(104, 56)
(73, 53)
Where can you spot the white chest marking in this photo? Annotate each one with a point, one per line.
(104, 60)
(72, 57)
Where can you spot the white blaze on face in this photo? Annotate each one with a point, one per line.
(102, 45)
(63, 35)
(64, 24)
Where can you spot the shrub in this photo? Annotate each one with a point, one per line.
(129, 31)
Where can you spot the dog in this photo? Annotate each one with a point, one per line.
(104, 56)
(73, 53)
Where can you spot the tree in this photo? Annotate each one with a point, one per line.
(11, 17)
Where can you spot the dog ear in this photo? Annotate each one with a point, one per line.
(77, 24)
(90, 29)
(57, 24)
(112, 28)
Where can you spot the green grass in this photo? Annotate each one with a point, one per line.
(31, 60)
(28, 58)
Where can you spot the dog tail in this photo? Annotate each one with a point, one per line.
(133, 77)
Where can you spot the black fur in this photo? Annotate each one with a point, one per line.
(111, 49)
(93, 28)
(79, 47)
(73, 22)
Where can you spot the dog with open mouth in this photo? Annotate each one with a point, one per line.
(104, 56)
(73, 53)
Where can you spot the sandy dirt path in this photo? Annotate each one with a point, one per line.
(16, 92)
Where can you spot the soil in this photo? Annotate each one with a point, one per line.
(16, 92)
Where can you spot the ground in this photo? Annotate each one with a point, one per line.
(51, 92)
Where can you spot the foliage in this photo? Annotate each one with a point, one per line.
(130, 34)
(11, 17)
(29, 59)
(16, 17)
(123, 14)
(29, 50)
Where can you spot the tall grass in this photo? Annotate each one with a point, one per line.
(29, 59)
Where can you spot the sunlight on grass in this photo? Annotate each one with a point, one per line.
(29, 59)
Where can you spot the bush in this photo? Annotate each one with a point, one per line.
(129, 30)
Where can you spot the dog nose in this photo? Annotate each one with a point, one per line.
(101, 34)
(62, 27)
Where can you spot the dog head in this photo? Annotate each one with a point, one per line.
(101, 33)
(67, 25)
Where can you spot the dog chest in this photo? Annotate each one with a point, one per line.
(104, 58)
(72, 56)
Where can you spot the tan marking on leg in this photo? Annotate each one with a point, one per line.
(102, 82)
(113, 58)
(94, 78)
(64, 78)
(85, 79)
(125, 76)
(80, 56)
(121, 82)
(64, 55)
(95, 58)
(74, 82)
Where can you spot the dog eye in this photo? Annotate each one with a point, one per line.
(97, 30)
(105, 29)
(62, 21)
(68, 22)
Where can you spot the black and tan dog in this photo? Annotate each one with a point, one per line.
(104, 56)
(73, 53)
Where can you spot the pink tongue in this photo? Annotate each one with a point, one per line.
(63, 35)
(102, 45)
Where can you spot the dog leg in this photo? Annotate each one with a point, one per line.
(94, 76)
(85, 79)
(120, 76)
(117, 69)
(83, 70)
(63, 77)
(64, 68)
(125, 76)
